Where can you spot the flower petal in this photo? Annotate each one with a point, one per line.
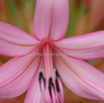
(16, 75)
(14, 42)
(51, 19)
(89, 46)
(34, 94)
(80, 77)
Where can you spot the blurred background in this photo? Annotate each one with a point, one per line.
(85, 16)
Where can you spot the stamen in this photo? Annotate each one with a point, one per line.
(51, 85)
(57, 74)
(47, 51)
(52, 90)
(56, 81)
(42, 81)
(42, 85)
(59, 87)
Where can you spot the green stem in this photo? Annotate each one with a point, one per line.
(12, 8)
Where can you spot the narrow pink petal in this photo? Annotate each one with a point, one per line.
(16, 75)
(14, 42)
(51, 19)
(80, 77)
(34, 94)
(60, 19)
(89, 46)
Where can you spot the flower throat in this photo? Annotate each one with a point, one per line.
(50, 82)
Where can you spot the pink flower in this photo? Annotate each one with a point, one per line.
(41, 63)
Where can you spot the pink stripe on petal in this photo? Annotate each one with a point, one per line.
(80, 77)
(34, 93)
(89, 46)
(14, 42)
(51, 19)
(15, 50)
(16, 75)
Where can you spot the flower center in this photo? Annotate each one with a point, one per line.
(50, 82)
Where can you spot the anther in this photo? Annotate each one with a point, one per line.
(59, 86)
(41, 80)
(57, 81)
(51, 86)
(57, 74)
